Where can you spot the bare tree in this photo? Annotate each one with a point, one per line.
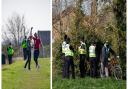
(14, 29)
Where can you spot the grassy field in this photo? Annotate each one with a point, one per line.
(16, 77)
(88, 83)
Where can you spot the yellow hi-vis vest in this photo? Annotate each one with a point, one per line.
(92, 51)
(63, 47)
(10, 51)
(81, 51)
(68, 52)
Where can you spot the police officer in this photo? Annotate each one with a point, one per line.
(10, 52)
(28, 52)
(69, 53)
(63, 57)
(82, 54)
(92, 58)
(24, 46)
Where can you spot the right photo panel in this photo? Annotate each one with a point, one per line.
(89, 44)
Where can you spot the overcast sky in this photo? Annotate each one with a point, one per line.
(36, 12)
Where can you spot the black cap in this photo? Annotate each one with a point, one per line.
(93, 42)
(25, 37)
(68, 40)
(10, 43)
(82, 38)
(65, 37)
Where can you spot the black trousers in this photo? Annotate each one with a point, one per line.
(3, 59)
(70, 64)
(28, 62)
(36, 55)
(63, 65)
(82, 65)
(10, 59)
(25, 53)
(93, 67)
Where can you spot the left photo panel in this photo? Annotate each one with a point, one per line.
(26, 44)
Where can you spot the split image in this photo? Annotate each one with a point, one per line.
(26, 44)
(89, 44)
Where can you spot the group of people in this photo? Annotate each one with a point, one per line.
(27, 49)
(92, 53)
(27, 46)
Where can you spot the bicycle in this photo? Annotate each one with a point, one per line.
(114, 68)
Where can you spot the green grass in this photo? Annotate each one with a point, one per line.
(88, 83)
(16, 77)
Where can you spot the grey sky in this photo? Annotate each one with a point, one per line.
(37, 12)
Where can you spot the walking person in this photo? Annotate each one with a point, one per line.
(28, 53)
(10, 52)
(92, 58)
(63, 57)
(82, 54)
(24, 46)
(69, 53)
(37, 45)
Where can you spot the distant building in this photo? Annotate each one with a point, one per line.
(45, 38)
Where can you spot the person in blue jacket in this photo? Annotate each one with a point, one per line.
(106, 50)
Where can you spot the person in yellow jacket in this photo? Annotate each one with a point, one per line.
(69, 53)
(24, 46)
(63, 57)
(82, 54)
(92, 58)
(10, 52)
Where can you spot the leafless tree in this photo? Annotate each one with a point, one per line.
(14, 29)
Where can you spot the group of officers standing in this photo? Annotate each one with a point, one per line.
(68, 58)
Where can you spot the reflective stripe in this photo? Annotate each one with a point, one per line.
(10, 51)
(68, 52)
(82, 51)
(82, 48)
(92, 51)
(24, 44)
(63, 51)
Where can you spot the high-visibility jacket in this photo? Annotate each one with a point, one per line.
(24, 44)
(82, 50)
(92, 51)
(68, 52)
(63, 47)
(10, 51)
